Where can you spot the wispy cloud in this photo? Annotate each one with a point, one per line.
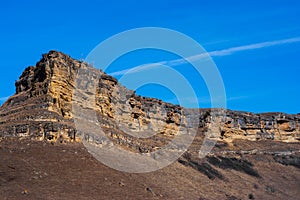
(137, 69)
(232, 50)
(219, 99)
(2, 99)
(205, 99)
(236, 98)
(216, 53)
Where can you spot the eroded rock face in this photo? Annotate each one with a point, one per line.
(42, 105)
(42, 108)
(273, 126)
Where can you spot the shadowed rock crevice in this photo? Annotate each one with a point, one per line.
(234, 164)
(293, 160)
(201, 165)
(226, 163)
(204, 168)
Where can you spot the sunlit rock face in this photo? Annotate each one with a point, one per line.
(42, 108)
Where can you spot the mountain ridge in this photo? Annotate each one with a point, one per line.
(49, 85)
(254, 156)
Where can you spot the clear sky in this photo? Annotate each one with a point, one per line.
(255, 44)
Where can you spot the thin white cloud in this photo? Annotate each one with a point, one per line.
(205, 99)
(220, 99)
(137, 69)
(236, 98)
(232, 50)
(223, 52)
(2, 99)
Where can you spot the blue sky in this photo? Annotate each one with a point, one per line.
(255, 44)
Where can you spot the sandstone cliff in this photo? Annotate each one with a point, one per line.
(42, 109)
(256, 155)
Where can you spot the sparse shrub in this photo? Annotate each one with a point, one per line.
(251, 196)
(270, 189)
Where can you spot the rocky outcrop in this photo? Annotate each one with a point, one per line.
(42, 105)
(265, 126)
(43, 108)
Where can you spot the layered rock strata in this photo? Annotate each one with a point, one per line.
(44, 102)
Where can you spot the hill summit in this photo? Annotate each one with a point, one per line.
(60, 101)
(42, 108)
